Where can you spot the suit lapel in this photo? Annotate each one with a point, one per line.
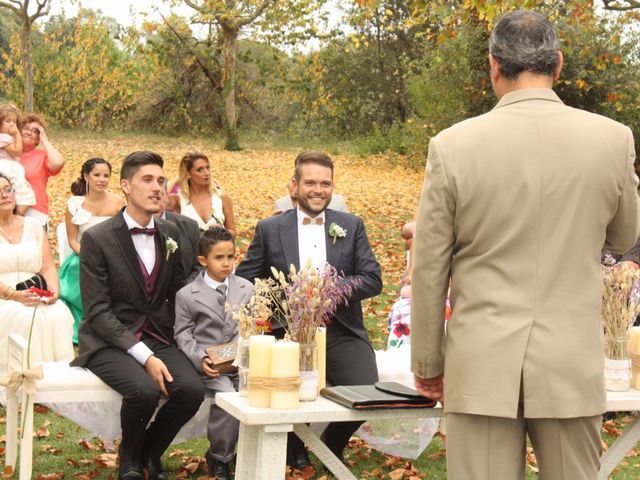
(288, 232)
(204, 294)
(162, 258)
(334, 250)
(121, 232)
(237, 290)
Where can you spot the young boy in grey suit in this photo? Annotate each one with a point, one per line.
(202, 322)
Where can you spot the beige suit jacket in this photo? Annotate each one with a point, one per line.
(515, 209)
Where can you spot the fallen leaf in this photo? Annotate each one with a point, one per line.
(107, 460)
(42, 432)
(50, 476)
(87, 445)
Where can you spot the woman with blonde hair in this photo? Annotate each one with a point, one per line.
(201, 197)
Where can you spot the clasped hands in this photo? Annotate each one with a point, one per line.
(432, 388)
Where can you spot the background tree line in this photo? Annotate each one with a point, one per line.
(390, 76)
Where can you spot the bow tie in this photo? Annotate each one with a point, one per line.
(143, 231)
(312, 221)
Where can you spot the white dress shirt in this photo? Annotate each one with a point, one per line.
(214, 283)
(311, 242)
(145, 246)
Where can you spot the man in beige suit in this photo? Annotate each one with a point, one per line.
(516, 206)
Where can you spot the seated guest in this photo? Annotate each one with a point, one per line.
(288, 202)
(189, 236)
(39, 164)
(90, 205)
(201, 322)
(200, 197)
(25, 253)
(130, 271)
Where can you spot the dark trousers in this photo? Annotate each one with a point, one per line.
(141, 395)
(350, 361)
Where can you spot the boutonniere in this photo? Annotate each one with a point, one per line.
(336, 231)
(170, 246)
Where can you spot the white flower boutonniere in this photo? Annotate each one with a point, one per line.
(170, 246)
(336, 231)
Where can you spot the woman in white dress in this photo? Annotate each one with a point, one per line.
(24, 252)
(200, 197)
(91, 204)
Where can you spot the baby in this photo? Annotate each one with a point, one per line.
(10, 150)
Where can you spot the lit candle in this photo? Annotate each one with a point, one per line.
(285, 363)
(259, 366)
(321, 343)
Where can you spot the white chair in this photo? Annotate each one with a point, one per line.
(64, 249)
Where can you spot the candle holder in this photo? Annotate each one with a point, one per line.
(308, 372)
(243, 366)
(617, 364)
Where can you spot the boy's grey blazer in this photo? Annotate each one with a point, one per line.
(201, 320)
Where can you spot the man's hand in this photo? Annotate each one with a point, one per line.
(159, 372)
(208, 369)
(432, 388)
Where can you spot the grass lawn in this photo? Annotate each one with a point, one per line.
(383, 192)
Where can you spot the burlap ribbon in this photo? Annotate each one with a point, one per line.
(284, 384)
(27, 380)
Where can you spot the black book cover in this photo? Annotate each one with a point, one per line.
(362, 397)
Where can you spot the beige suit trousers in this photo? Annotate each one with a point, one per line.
(493, 448)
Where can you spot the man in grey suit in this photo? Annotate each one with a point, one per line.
(515, 209)
(289, 202)
(301, 235)
(130, 271)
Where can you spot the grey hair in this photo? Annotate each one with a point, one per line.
(524, 41)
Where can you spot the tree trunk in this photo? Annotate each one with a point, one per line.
(230, 37)
(27, 66)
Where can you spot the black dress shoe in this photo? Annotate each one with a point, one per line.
(218, 469)
(129, 469)
(299, 459)
(155, 470)
(132, 474)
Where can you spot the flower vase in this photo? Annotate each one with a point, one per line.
(308, 372)
(617, 364)
(243, 367)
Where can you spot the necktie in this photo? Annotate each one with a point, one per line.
(143, 231)
(312, 221)
(222, 290)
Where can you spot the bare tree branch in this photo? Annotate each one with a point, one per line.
(257, 12)
(211, 76)
(43, 8)
(13, 8)
(621, 5)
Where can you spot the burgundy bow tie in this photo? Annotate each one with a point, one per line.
(312, 221)
(143, 231)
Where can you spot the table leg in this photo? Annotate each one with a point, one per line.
(262, 452)
(619, 448)
(326, 456)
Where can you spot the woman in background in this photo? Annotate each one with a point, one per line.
(25, 261)
(90, 205)
(200, 197)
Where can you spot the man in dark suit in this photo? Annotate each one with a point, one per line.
(130, 270)
(301, 235)
(188, 237)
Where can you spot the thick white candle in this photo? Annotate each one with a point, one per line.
(321, 343)
(634, 340)
(259, 366)
(285, 363)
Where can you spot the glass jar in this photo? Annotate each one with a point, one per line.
(308, 372)
(617, 364)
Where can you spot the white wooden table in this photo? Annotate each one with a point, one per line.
(263, 432)
(262, 443)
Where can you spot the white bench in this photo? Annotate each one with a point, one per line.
(63, 385)
(263, 432)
